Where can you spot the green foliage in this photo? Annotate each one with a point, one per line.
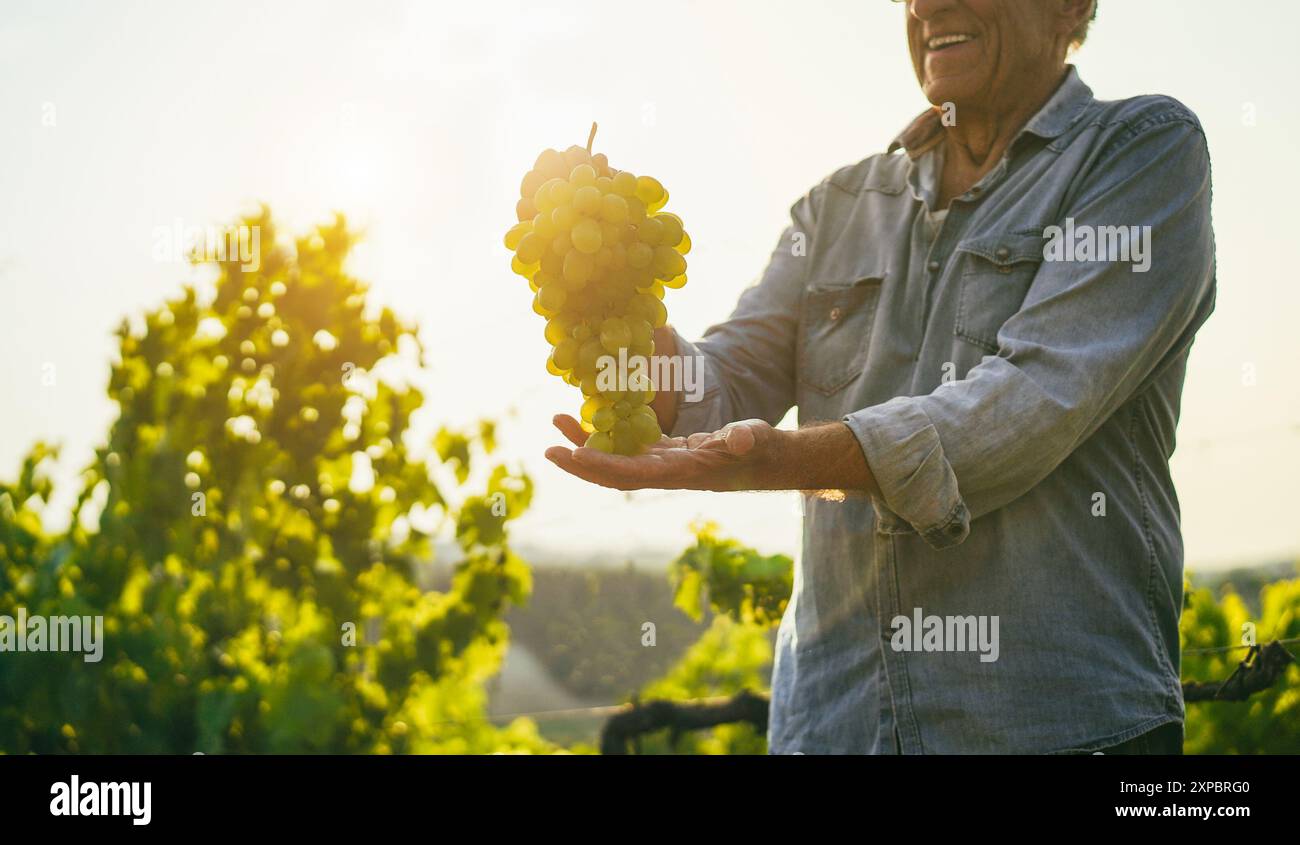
(732, 578)
(749, 592)
(730, 657)
(1267, 723)
(249, 532)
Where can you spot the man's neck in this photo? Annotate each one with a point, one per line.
(979, 137)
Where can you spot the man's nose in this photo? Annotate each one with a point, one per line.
(927, 9)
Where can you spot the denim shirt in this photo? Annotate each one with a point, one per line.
(1015, 395)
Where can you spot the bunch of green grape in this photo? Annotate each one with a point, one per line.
(598, 253)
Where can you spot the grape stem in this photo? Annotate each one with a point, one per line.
(591, 137)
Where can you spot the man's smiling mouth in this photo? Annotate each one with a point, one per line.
(939, 43)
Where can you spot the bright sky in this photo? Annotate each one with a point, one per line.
(418, 120)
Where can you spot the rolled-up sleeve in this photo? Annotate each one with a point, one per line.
(747, 363)
(1089, 335)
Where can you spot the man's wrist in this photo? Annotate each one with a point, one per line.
(667, 398)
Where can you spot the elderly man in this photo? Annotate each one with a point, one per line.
(985, 331)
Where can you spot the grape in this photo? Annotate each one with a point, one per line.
(668, 263)
(560, 193)
(648, 189)
(613, 208)
(530, 248)
(590, 407)
(566, 354)
(553, 265)
(563, 218)
(625, 439)
(542, 199)
(624, 184)
(642, 279)
(614, 334)
(544, 226)
(659, 314)
(650, 231)
(516, 234)
(644, 426)
(551, 298)
(578, 267)
(588, 200)
(635, 210)
(586, 237)
(589, 355)
(639, 255)
(557, 330)
(599, 254)
(575, 156)
(533, 180)
(639, 330)
(672, 229)
(603, 418)
(551, 164)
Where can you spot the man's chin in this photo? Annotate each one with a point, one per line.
(951, 89)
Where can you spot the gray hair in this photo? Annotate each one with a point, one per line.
(1080, 33)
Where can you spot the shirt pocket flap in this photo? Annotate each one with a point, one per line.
(1005, 250)
(996, 272)
(835, 331)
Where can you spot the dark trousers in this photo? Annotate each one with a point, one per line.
(1166, 739)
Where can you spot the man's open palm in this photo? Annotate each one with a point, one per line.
(706, 461)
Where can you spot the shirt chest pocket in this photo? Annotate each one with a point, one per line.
(835, 332)
(996, 272)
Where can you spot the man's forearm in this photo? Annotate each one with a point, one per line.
(825, 456)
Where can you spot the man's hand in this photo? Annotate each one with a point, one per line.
(735, 458)
(749, 455)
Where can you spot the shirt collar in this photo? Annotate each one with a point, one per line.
(1057, 115)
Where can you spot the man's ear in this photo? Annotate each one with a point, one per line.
(1073, 14)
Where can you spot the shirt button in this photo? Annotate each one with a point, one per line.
(835, 314)
(933, 266)
(1003, 253)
